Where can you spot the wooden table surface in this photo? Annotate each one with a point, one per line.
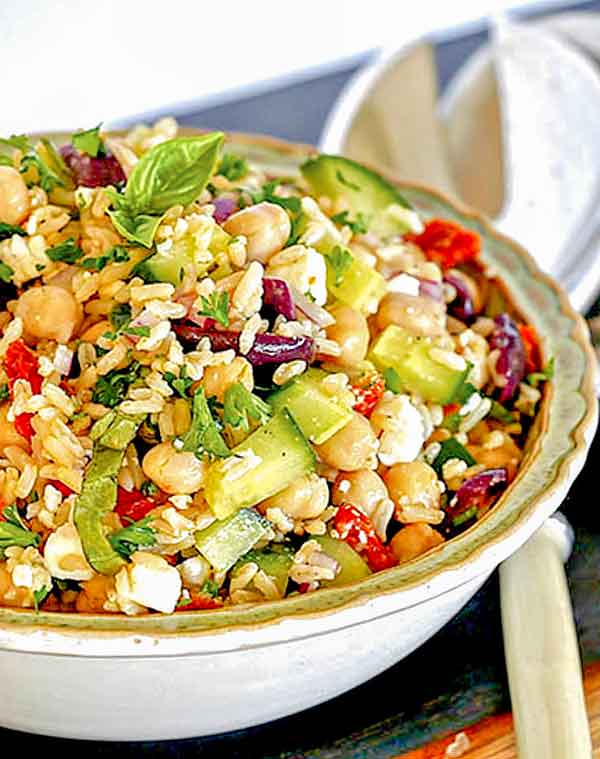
(456, 682)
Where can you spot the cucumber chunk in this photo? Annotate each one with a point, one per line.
(275, 562)
(318, 415)
(361, 287)
(225, 541)
(418, 373)
(353, 566)
(283, 454)
(364, 191)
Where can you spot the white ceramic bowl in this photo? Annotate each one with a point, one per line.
(196, 673)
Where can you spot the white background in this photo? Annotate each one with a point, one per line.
(72, 63)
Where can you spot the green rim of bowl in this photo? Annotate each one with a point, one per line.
(564, 427)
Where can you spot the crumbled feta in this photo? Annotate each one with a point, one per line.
(404, 283)
(402, 430)
(148, 581)
(304, 268)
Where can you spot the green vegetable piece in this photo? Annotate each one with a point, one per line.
(225, 541)
(358, 226)
(174, 172)
(282, 455)
(318, 415)
(164, 267)
(13, 531)
(46, 177)
(353, 282)
(116, 430)
(120, 316)
(117, 254)
(233, 167)
(203, 435)
(112, 388)
(216, 306)
(98, 497)
(6, 272)
(40, 595)
(465, 516)
(353, 566)
(451, 449)
(409, 357)
(501, 413)
(274, 562)
(392, 380)
(4, 392)
(547, 373)
(89, 141)
(8, 230)
(366, 192)
(240, 405)
(267, 193)
(16, 141)
(133, 537)
(67, 252)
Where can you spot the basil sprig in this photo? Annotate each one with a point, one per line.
(172, 173)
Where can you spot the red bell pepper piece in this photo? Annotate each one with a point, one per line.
(533, 354)
(63, 489)
(447, 243)
(21, 362)
(200, 601)
(368, 391)
(356, 529)
(133, 505)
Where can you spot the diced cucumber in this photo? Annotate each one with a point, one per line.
(364, 191)
(353, 566)
(115, 430)
(408, 356)
(284, 455)
(318, 415)
(225, 541)
(164, 267)
(275, 562)
(361, 287)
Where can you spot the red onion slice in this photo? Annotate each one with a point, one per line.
(316, 314)
(511, 361)
(277, 294)
(224, 207)
(479, 491)
(92, 172)
(462, 307)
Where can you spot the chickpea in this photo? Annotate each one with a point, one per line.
(14, 196)
(94, 594)
(417, 314)
(364, 489)
(265, 226)
(413, 540)
(49, 312)
(351, 332)
(8, 434)
(217, 379)
(352, 448)
(175, 472)
(305, 498)
(414, 482)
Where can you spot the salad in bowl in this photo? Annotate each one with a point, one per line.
(221, 386)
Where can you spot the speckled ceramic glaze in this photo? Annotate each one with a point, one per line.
(196, 673)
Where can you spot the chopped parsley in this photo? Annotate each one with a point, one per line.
(14, 532)
(6, 272)
(47, 178)
(148, 488)
(240, 405)
(118, 254)
(8, 230)
(501, 413)
(359, 225)
(180, 384)
(464, 391)
(547, 373)
(211, 588)
(203, 435)
(233, 167)
(346, 182)
(296, 229)
(267, 194)
(340, 260)
(120, 316)
(40, 595)
(392, 380)
(136, 535)
(4, 392)
(89, 141)
(216, 306)
(67, 252)
(112, 388)
(451, 449)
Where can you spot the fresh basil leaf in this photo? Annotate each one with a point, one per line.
(8, 230)
(139, 228)
(17, 141)
(89, 141)
(172, 173)
(67, 252)
(6, 272)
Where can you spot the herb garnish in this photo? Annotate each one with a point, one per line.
(117, 254)
(180, 384)
(203, 435)
(359, 225)
(136, 535)
(4, 392)
(240, 405)
(67, 252)
(112, 388)
(340, 260)
(216, 306)
(89, 141)
(547, 373)
(14, 532)
(232, 167)
(8, 230)
(6, 272)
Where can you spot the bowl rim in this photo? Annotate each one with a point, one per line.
(16, 625)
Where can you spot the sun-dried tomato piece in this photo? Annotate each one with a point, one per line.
(368, 391)
(355, 528)
(447, 243)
